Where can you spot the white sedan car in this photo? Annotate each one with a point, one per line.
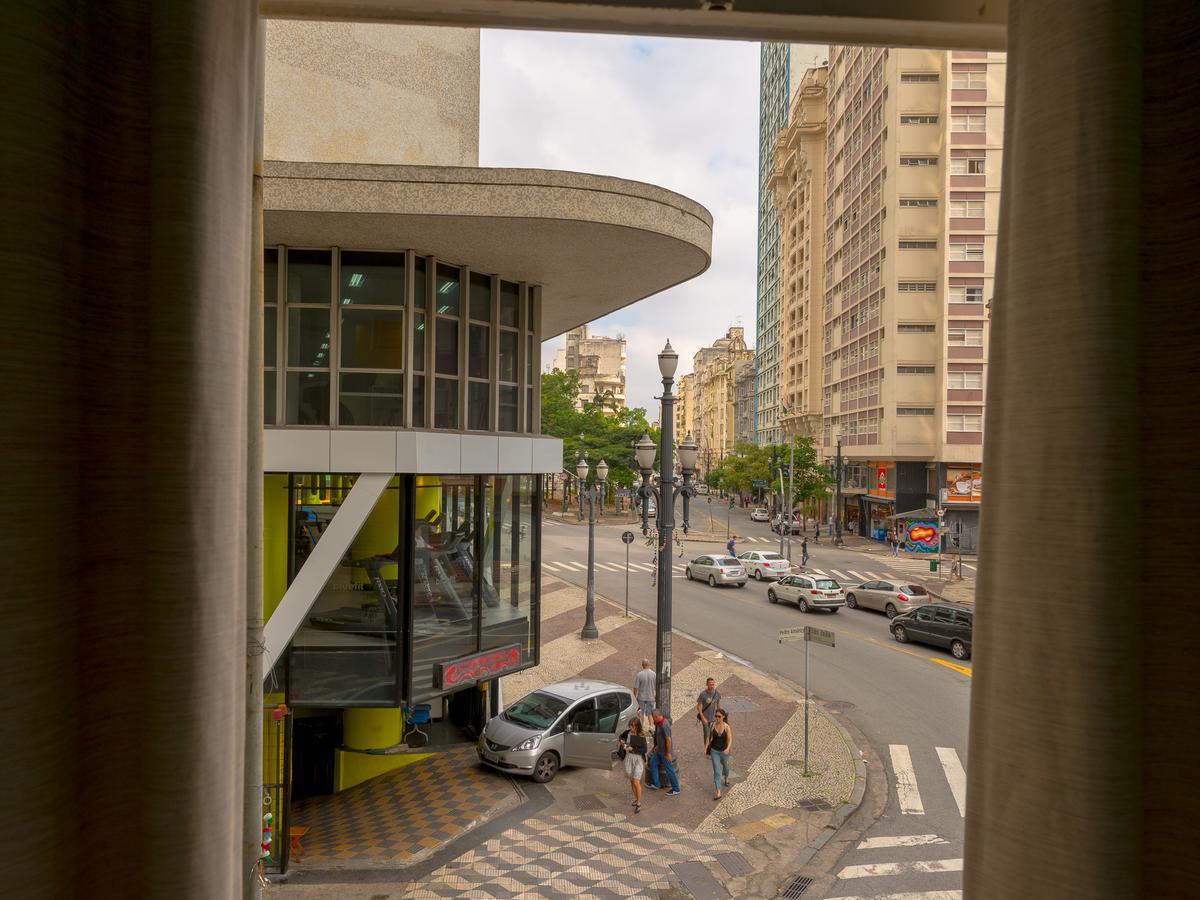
(808, 592)
(759, 515)
(762, 564)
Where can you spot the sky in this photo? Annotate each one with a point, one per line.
(682, 114)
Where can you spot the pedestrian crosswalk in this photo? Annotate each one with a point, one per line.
(857, 576)
(569, 566)
(920, 779)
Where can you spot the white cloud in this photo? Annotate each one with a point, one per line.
(678, 113)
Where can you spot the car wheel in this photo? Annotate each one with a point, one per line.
(758, 576)
(741, 584)
(834, 609)
(546, 767)
(712, 580)
(771, 595)
(900, 634)
(687, 573)
(803, 606)
(852, 601)
(890, 610)
(959, 649)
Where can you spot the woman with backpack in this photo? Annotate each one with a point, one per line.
(633, 751)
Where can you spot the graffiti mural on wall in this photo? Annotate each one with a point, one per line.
(921, 536)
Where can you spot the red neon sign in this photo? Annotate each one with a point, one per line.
(479, 666)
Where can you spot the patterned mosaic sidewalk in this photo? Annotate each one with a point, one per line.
(403, 816)
(597, 855)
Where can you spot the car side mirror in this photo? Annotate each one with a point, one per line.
(569, 729)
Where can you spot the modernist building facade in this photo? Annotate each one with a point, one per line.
(600, 362)
(716, 369)
(407, 293)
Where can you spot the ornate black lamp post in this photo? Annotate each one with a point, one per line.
(665, 496)
(593, 495)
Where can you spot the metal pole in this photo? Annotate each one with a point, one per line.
(627, 581)
(666, 529)
(781, 514)
(590, 632)
(728, 508)
(806, 643)
(791, 492)
(837, 503)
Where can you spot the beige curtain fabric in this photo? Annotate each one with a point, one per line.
(1084, 681)
(126, 140)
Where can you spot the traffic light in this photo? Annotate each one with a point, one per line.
(954, 540)
(786, 470)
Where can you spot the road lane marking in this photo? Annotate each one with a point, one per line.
(902, 868)
(962, 670)
(838, 574)
(552, 566)
(871, 576)
(917, 895)
(956, 775)
(968, 566)
(901, 840)
(578, 566)
(906, 782)
(856, 575)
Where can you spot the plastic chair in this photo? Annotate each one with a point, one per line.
(416, 716)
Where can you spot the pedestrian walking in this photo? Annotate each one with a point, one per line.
(731, 547)
(719, 747)
(817, 533)
(708, 701)
(804, 551)
(633, 750)
(663, 755)
(895, 543)
(643, 688)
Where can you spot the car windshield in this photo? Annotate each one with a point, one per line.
(537, 710)
(760, 510)
(772, 556)
(728, 561)
(914, 589)
(827, 584)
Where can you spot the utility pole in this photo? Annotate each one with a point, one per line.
(791, 492)
(837, 503)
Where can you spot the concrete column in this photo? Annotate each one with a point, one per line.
(1082, 764)
(126, 137)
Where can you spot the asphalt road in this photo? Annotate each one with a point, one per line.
(911, 702)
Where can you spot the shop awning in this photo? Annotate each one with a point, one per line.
(925, 513)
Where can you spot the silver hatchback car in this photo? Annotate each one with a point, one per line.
(571, 723)
(808, 592)
(716, 570)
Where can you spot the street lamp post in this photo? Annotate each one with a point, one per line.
(593, 495)
(837, 503)
(666, 495)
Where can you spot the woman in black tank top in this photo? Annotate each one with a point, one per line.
(719, 747)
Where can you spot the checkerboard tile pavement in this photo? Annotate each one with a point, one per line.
(398, 817)
(593, 855)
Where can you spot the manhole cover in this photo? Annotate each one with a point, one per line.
(839, 705)
(796, 887)
(588, 802)
(739, 704)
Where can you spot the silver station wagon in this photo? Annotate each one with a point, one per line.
(571, 723)
(808, 592)
(889, 597)
(716, 570)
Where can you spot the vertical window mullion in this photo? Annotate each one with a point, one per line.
(430, 329)
(464, 330)
(522, 355)
(410, 326)
(494, 362)
(335, 335)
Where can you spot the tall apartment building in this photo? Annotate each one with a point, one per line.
(743, 402)
(600, 362)
(716, 369)
(685, 405)
(778, 77)
(798, 188)
(911, 211)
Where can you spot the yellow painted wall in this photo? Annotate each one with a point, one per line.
(380, 534)
(355, 768)
(275, 548)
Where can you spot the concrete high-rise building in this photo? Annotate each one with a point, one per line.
(685, 405)
(779, 75)
(600, 362)
(716, 369)
(743, 402)
(911, 211)
(798, 189)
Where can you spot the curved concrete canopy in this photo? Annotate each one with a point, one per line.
(594, 243)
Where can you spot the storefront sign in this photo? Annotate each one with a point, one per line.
(479, 666)
(920, 536)
(964, 484)
(881, 479)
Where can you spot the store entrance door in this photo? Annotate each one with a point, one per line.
(315, 738)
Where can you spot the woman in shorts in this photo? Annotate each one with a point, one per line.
(633, 742)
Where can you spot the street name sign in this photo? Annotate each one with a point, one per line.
(792, 634)
(819, 635)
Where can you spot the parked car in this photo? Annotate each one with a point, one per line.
(571, 723)
(780, 527)
(762, 564)
(759, 514)
(940, 624)
(889, 597)
(716, 570)
(702, 488)
(808, 592)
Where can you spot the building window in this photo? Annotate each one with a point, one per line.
(968, 81)
(270, 332)
(917, 202)
(964, 209)
(919, 120)
(917, 286)
(918, 245)
(968, 422)
(918, 160)
(308, 289)
(971, 381)
(974, 123)
(914, 410)
(919, 77)
(915, 370)
(916, 328)
(966, 252)
(962, 166)
(965, 337)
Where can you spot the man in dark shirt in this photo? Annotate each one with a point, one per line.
(663, 754)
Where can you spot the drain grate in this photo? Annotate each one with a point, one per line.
(739, 704)
(796, 887)
(814, 804)
(734, 863)
(589, 802)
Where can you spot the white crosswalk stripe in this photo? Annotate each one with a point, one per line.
(842, 575)
(872, 870)
(857, 575)
(906, 781)
(552, 566)
(576, 565)
(900, 840)
(956, 775)
(910, 895)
